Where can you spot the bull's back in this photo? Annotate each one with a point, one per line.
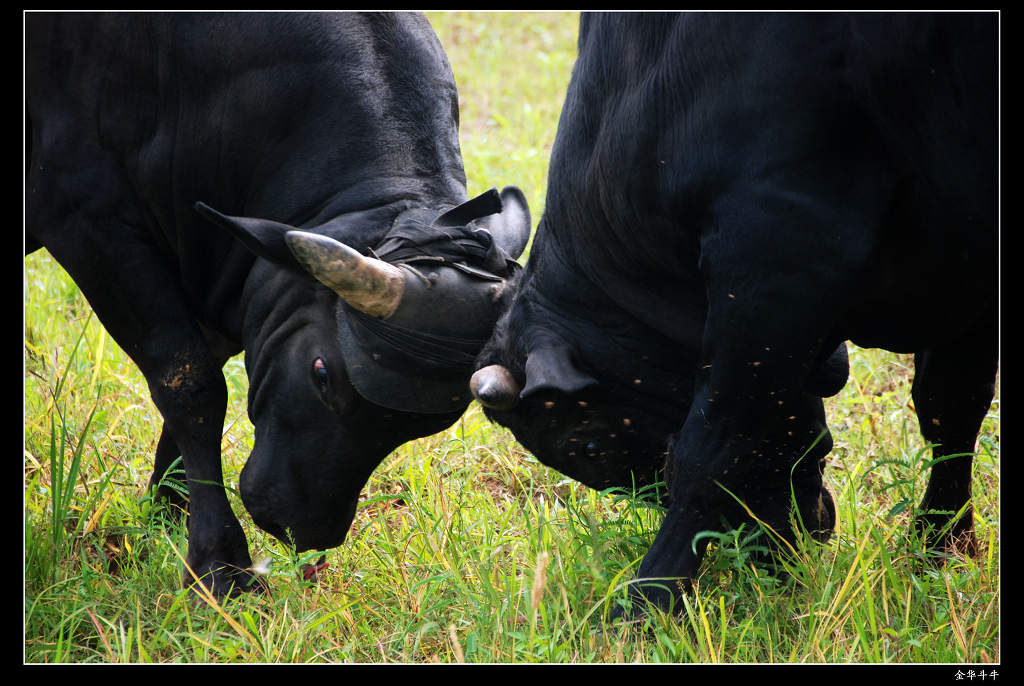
(219, 107)
(668, 114)
(704, 100)
(292, 117)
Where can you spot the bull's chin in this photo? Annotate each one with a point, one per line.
(303, 541)
(319, 542)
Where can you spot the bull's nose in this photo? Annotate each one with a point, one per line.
(302, 511)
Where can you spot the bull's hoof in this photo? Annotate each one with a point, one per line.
(940, 536)
(224, 581)
(818, 515)
(621, 615)
(645, 597)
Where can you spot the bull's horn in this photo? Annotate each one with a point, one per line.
(494, 387)
(367, 284)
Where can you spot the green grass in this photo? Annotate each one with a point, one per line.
(464, 547)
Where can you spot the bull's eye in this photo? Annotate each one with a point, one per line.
(592, 449)
(320, 374)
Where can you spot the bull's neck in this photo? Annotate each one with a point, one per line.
(612, 315)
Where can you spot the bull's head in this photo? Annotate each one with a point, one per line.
(340, 376)
(584, 400)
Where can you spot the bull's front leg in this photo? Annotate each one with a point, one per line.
(954, 384)
(100, 240)
(752, 447)
(191, 395)
(756, 465)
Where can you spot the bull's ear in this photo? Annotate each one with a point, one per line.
(263, 237)
(552, 368)
(266, 238)
(511, 228)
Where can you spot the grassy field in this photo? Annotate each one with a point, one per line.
(465, 548)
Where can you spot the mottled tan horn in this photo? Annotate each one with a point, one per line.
(366, 283)
(494, 387)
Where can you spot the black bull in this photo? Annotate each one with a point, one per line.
(344, 126)
(731, 197)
